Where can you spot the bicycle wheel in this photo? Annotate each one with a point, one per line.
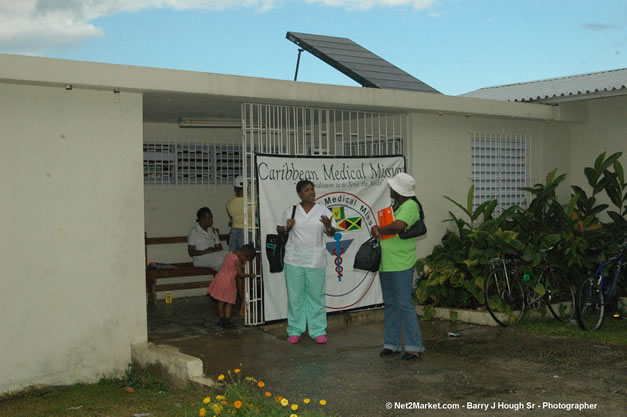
(590, 304)
(504, 298)
(559, 297)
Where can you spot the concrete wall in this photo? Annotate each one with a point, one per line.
(605, 130)
(441, 161)
(72, 282)
(171, 210)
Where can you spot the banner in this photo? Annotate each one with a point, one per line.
(353, 189)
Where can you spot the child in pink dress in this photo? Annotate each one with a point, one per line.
(223, 287)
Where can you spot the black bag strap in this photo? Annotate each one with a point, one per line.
(287, 232)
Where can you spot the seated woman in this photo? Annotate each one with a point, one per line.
(203, 242)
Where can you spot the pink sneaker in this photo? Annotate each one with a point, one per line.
(293, 339)
(321, 340)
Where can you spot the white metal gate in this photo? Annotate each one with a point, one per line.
(305, 131)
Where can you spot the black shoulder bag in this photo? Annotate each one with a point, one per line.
(275, 248)
(417, 229)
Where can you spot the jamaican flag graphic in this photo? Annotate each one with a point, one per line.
(343, 222)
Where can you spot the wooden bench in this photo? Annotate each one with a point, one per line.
(174, 270)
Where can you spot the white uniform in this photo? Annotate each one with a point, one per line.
(306, 246)
(204, 239)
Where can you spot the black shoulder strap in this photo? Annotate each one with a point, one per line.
(293, 212)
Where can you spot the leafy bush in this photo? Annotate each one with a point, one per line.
(453, 275)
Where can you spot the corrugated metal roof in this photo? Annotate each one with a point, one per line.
(358, 63)
(555, 90)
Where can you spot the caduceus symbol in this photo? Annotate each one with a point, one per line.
(338, 251)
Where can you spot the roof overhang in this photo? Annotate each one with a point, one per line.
(171, 88)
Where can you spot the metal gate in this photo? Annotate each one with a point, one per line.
(305, 131)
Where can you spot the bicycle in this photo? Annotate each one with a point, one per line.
(594, 294)
(506, 296)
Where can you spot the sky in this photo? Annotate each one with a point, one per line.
(455, 46)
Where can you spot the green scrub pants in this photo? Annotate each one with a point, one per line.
(306, 300)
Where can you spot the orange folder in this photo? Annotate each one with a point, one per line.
(386, 216)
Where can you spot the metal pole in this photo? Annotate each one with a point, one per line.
(298, 63)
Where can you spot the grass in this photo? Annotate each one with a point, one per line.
(133, 395)
(613, 331)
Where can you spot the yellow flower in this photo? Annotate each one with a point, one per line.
(220, 377)
(217, 409)
(294, 407)
(323, 402)
(261, 384)
(237, 404)
(293, 415)
(268, 394)
(284, 402)
(236, 370)
(220, 397)
(306, 400)
(207, 400)
(202, 412)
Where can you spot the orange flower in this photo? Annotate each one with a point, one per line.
(224, 402)
(261, 384)
(202, 412)
(268, 394)
(237, 404)
(236, 370)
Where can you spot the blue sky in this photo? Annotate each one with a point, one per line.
(455, 46)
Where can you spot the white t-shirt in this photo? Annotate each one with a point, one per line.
(306, 246)
(203, 239)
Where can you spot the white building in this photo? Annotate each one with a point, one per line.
(75, 206)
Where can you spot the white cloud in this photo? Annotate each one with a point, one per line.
(369, 4)
(32, 26)
(597, 27)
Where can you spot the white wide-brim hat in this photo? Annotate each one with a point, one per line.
(238, 182)
(403, 184)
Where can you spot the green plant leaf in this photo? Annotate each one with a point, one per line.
(539, 289)
(470, 199)
(580, 191)
(458, 205)
(429, 313)
(618, 168)
(598, 162)
(453, 315)
(572, 203)
(592, 176)
(610, 161)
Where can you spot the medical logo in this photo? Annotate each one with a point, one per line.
(354, 218)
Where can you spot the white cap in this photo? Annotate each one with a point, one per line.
(403, 184)
(238, 182)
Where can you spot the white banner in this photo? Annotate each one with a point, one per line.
(354, 189)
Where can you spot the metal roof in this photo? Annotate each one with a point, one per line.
(555, 90)
(358, 63)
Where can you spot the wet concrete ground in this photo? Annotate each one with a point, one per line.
(506, 370)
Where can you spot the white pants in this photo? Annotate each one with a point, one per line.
(212, 260)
